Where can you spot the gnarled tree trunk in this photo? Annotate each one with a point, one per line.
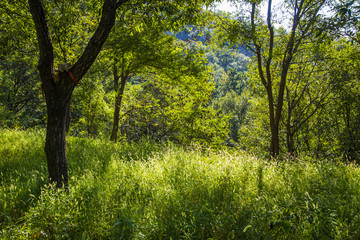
(58, 104)
(58, 93)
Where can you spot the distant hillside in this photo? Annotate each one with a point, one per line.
(193, 33)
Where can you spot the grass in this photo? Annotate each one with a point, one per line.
(161, 191)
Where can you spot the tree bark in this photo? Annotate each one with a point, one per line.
(68, 118)
(58, 104)
(58, 95)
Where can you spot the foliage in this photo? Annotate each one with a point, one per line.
(229, 72)
(167, 103)
(320, 105)
(274, 49)
(253, 134)
(345, 21)
(165, 112)
(17, 29)
(71, 25)
(340, 116)
(20, 95)
(228, 67)
(169, 96)
(150, 191)
(91, 109)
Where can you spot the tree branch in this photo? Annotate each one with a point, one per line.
(46, 61)
(98, 39)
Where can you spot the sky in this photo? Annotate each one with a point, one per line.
(227, 7)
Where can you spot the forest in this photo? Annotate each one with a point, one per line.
(141, 119)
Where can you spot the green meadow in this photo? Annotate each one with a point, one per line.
(163, 191)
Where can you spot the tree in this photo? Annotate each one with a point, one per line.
(142, 51)
(263, 40)
(58, 89)
(321, 105)
(141, 43)
(308, 89)
(20, 94)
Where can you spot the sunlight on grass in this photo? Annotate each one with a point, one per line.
(161, 191)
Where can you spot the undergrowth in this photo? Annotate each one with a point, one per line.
(162, 191)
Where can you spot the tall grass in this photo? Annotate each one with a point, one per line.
(149, 191)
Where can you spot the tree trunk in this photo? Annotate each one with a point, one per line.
(274, 126)
(58, 105)
(274, 145)
(289, 132)
(290, 143)
(68, 118)
(118, 100)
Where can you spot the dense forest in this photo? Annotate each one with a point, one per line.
(100, 97)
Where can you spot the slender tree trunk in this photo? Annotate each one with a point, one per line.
(289, 132)
(290, 143)
(266, 79)
(118, 100)
(274, 126)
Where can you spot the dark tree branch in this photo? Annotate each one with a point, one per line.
(97, 41)
(46, 61)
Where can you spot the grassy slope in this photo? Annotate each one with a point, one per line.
(147, 191)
